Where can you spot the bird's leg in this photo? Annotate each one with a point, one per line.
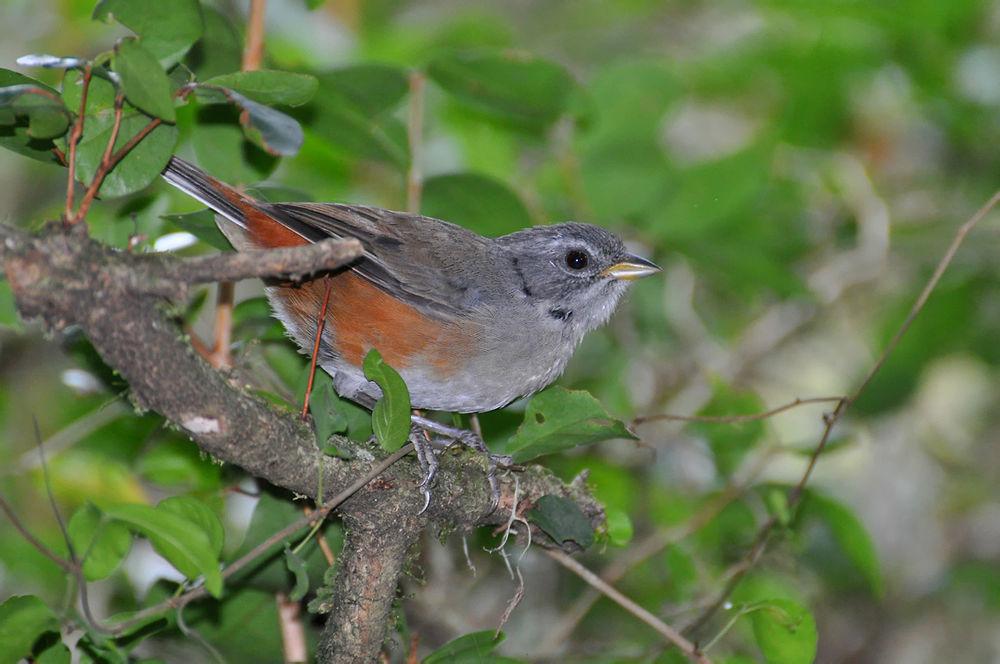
(428, 462)
(472, 440)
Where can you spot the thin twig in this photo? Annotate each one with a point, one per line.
(415, 128)
(666, 631)
(31, 539)
(253, 53)
(293, 633)
(109, 165)
(747, 562)
(320, 323)
(269, 543)
(735, 419)
(74, 138)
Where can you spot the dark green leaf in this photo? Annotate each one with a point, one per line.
(54, 653)
(559, 419)
(199, 515)
(266, 86)
(561, 519)
(372, 89)
(475, 201)
(139, 168)
(202, 225)
(14, 131)
(467, 649)
(297, 566)
(223, 150)
(145, 83)
(220, 49)
(785, 632)
(324, 405)
(167, 29)
(513, 86)
(849, 533)
(185, 545)
(277, 133)
(391, 416)
(350, 111)
(98, 541)
(47, 116)
(23, 618)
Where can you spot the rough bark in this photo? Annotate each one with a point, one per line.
(65, 279)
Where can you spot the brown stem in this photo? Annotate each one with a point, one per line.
(74, 138)
(225, 300)
(253, 53)
(293, 633)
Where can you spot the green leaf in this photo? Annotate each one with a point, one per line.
(269, 87)
(101, 543)
(167, 29)
(56, 653)
(561, 519)
(558, 419)
(351, 112)
(100, 93)
(479, 202)
(850, 534)
(44, 109)
(619, 526)
(785, 632)
(297, 566)
(513, 86)
(23, 618)
(199, 515)
(324, 407)
(14, 130)
(184, 544)
(220, 48)
(391, 416)
(777, 505)
(467, 649)
(9, 318)
(176, 462)
(138, 168)
(277, 133)
(201, 224)
(223, 149)
(729, 442)
(143, 80)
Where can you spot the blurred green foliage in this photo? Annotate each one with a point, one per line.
(798, 168)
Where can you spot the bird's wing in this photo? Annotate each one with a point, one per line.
(423, 261)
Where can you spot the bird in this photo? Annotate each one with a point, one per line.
(471, 323)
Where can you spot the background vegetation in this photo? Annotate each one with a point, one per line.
(798, 168)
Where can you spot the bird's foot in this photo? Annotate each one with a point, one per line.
(471, 440)
(427, 459)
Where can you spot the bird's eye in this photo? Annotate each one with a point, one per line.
(577, 260)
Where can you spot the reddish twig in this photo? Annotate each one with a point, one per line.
(253, 53)
(74, 138)
(320, 323)
(109, 165)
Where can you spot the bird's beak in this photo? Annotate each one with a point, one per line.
(632, 268)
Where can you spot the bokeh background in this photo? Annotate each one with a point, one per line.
(798, 168)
